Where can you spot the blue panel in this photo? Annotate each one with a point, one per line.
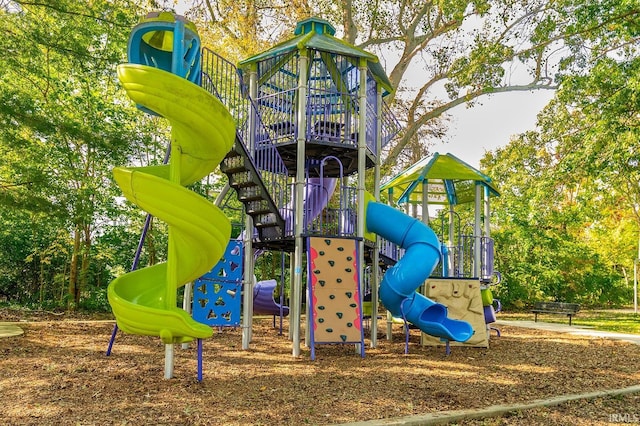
(217, 303)
(217, 294)
(229, 268)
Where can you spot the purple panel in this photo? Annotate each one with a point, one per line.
(317, 193)
(263, 301)
(489, 314)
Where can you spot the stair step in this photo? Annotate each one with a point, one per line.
(263, 220)
(242, 179)
(270, 233)
(233, 164)
(250, 193)
(258, 207)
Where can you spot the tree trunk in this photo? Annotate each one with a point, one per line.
(59, 292)
(73, 272)
(86, 261)
(41, 279)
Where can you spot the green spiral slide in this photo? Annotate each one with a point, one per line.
(203, 131)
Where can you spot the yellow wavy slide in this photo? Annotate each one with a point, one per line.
(203, 131)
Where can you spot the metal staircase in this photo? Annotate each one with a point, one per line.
(256, 179)
(245, 178)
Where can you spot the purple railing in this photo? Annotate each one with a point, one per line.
(487, 252)
(332, 117)
(390, 125)
(221, 78)
(461, 255)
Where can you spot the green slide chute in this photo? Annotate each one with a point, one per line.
(203, 131)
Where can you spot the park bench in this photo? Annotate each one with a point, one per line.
(568, 309)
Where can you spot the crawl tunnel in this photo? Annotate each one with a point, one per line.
(169, 42)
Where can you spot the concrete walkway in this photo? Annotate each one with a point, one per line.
(573, 329)
(446, 417)
(8, 329)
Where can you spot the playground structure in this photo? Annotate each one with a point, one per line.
(309, 119)
(463, 279)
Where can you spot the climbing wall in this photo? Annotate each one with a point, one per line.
(336, 313)
(464, 302)
(217, 294)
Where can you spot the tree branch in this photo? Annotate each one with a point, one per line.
(71, 12)
(412, 131)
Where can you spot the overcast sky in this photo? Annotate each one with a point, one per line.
(473, 131)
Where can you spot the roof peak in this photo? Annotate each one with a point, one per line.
(318, 25)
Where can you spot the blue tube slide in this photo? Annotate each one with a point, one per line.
(400, 282)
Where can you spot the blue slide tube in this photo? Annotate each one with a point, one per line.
(400, 282)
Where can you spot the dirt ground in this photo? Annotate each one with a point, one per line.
(57, 373)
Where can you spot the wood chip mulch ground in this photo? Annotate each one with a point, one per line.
(57, 373)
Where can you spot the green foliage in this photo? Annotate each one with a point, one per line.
(541, 249)
(481, 69)
(567, 220)
(64, 124)
(95, 300)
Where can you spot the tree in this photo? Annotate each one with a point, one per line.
(439, 54)
(575, 181)
(545, 228)
(64, 120)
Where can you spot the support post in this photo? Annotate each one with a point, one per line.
(425, 201)
(186, 305)
(389, 316)
(291, 295)
(296, 302)
(485, 270)
(477, 233)
(375, 274)
(248, 270)
(168, 361)
(457, 255)
(425, 220)
(487, 213)
(170, 299)
(362, 165)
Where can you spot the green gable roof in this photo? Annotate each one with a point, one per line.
(318, 34)
(451, 181)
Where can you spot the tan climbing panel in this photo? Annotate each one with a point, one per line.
(335, 298)
(464, 302)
